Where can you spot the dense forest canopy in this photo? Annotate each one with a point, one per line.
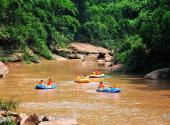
(137, 30)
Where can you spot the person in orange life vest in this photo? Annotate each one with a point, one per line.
(101, 85)
(49, 82)
(40, 82)
(98, 72)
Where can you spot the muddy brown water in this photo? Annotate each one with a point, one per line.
(141, 102)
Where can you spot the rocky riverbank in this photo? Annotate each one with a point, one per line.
(163, 73)
(85, 52)
(34, 119)
(73, 51)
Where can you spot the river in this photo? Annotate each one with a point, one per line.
(141, 101)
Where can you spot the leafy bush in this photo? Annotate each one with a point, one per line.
(132, 53)
(26, 23)
(4, 59)
(30, 58)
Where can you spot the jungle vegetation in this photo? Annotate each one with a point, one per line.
(137, 30)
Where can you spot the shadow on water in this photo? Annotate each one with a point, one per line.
(151, 85)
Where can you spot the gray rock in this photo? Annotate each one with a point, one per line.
(42, 118)
(75, 56)
(5, 120)
(23, 117)
(29, 119)
(108, 64)
(58, 58)
(16, 57)
(108, 58)
(3, 69)
(72, 56)
(10, 116)
(62, 52)
(91, 57)
(159, 74)
(80, 56)
(50, 118)
(101, 62)
(61, 121)
(67, 53)
(85, 48)
(2, 113)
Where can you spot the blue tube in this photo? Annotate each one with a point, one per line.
(109, 90)
(45, 86)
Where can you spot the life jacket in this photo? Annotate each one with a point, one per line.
(101, 85)
(40, 82)
(98, 72)
(50, 83)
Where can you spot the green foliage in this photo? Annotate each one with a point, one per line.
(3, 34)
(38, 23)
(30, 58)
(93, 31)
(4, 59)
(138, 29)
(66, 23)
(8, 105)
(8, 121)
(131, 52)
(166, 29)
(59, 40)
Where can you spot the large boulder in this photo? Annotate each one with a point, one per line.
(159, 74)
(91, 57)
(29, 119)
(108, 64)
(60, 51)
(16, 57)
(101, 62)
(76, 56)
(108, 57)
(3, 69)
(54, 49)
(58, 58)
(64, 52)
(87, 48)
(80, 56)
(34, 119)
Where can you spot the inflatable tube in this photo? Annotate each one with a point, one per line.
(97, 76)
(45, 86)
(109, 90)
(83, 80)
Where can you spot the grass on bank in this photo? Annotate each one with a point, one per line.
(6, 106)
